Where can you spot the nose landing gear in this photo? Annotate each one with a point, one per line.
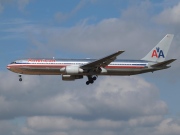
(20, 78)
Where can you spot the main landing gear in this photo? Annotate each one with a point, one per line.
(91, 79)
(20, 78)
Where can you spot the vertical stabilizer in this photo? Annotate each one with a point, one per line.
(159, 52)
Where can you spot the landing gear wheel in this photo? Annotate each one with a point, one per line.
(20, 79)
(87, 83)
(94, 78)
(91, 79)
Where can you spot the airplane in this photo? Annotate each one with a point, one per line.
(72, 69)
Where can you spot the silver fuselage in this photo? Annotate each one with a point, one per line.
(54, 66)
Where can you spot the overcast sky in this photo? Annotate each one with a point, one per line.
(46, 105)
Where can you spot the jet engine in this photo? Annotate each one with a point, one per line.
(71, 70)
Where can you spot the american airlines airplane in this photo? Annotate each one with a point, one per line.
(72, 69)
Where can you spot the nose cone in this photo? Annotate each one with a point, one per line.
(8, 67)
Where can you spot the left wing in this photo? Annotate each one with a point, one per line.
(102, 62)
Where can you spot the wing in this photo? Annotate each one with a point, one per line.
(102, 62)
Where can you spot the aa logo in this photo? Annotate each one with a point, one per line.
(157, 53)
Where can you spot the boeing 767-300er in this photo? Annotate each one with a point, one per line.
(72, 69)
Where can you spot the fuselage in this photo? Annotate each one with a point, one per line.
(54, 66)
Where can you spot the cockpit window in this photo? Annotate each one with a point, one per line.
(13, 62)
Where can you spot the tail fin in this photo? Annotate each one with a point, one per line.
(159, 52)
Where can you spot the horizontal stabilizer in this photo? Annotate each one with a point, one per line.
(164, 63)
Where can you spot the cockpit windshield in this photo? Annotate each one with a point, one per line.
(13, 62)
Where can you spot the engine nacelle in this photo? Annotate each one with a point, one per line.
(71, 70)
(71, 77)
